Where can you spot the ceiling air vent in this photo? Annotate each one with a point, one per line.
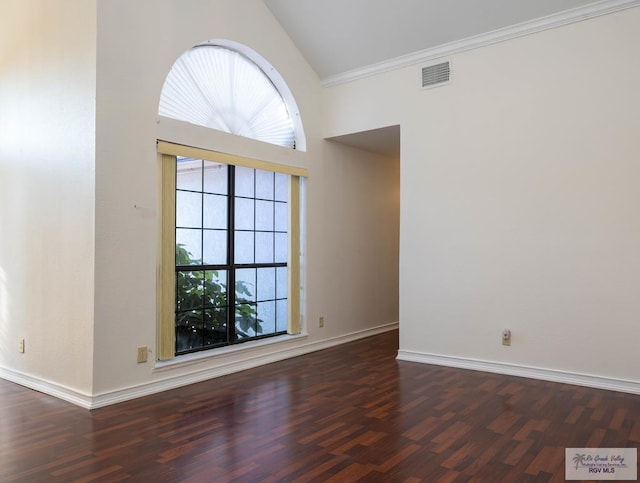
(436, 75)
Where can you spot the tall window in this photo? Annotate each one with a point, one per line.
(231, 231)
(230, 261)
(230, 251)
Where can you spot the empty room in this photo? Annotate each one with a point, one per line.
(304, 240)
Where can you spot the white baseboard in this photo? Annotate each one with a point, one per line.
(552, 375)
(172, 382)
(52, 389)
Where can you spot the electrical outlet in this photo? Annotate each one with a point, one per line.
(21, 346)
(142, 353)
(506, 337)
(321, 322)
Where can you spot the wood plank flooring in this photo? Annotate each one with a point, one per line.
(350, 413)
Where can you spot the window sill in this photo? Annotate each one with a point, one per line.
(247, 348)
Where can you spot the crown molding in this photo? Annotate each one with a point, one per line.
(567, 17)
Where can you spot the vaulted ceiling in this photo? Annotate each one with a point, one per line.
(337, 36)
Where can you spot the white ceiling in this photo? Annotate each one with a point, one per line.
(337, 36)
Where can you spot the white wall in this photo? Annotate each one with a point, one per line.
(47, 134)
(519, 198)
(137, 44)
(358, 238)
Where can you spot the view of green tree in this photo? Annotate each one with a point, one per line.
(202, 305)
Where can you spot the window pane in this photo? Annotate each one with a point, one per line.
(244, 214)
(266, 317)
(244, 181)
(188, 209)
(266, 289)
(245, 317)
(282, 282)
(282, 187)
(215, 211)
(189, 174)
(189, 290)
(264, 215)
(281, 315)
(282, 250)
(189, 327)
(188, 246)
(215, 247)
(215, 178)
(245, 285)
(264, 247)
(215, 326)
(215, 288)
(264, 184)
(244, 247)
(281, 217)
(245, 320)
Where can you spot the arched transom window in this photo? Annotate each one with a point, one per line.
(221, 88)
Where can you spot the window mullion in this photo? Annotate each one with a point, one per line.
(231, 274)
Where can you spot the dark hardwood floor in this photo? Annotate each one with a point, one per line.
(350, 413)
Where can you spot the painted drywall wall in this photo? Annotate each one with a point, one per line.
(47, 134)
(519, 198)
(137, 44)
(360, 249)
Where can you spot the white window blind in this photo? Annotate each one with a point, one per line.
(222, 89)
